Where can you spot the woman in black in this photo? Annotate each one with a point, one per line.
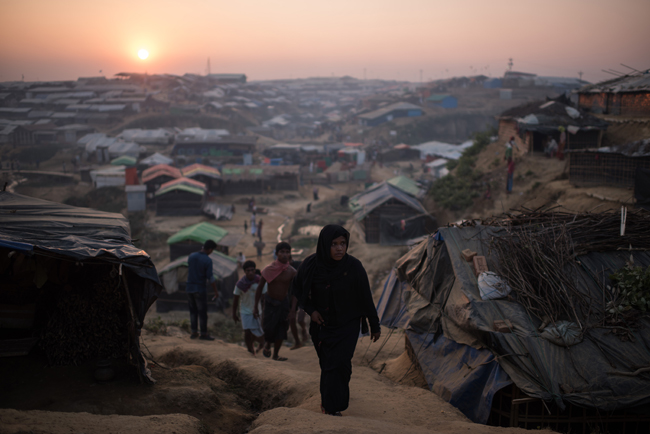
(333, 288)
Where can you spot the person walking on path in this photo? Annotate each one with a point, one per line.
(332, 287)
(199, 271)
(279, 275)
(244, 299)
(259, 229)
(511, 171)
(245, 226)
(253, 226)
(259, 245)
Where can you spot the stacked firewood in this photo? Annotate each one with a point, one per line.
(88, 323)
(537, 254)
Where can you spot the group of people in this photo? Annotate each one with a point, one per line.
(331, 286)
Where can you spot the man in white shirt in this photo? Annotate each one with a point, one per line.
(244, 299)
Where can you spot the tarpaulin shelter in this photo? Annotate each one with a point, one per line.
(535, 121)
(390, 216)
(205, 174)
(433, 294)
(155, 176)
(408, 186)
(191, 238)
(174, 276)
(51, 253)
(180, 198)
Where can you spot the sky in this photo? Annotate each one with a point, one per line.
(279, 39)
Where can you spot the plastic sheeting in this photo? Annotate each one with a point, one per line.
(434, 293)
(465, 377)
(81, 234)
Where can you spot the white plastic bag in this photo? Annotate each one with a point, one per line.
(491, 286)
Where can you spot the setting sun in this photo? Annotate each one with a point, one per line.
(143, 54)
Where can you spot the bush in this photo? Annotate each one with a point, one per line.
(457, 191)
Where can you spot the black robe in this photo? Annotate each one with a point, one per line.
(340, 292)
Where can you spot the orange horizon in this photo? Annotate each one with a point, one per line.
(63, 40)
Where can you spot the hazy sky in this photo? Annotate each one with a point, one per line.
(269, 39)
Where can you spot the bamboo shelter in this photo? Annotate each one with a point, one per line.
(71, 283)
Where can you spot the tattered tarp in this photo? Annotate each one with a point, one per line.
(433, 292)
(79, 234)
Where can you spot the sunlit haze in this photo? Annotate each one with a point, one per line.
(405, 40)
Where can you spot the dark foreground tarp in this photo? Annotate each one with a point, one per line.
(48, 228)
(433, 293)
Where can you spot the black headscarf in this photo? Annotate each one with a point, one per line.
(326, 267)
(320, 267)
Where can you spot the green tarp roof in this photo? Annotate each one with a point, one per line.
(124, 160)
(200, 232)
(407, 185)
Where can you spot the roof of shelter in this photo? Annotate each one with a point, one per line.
(200, 232)
(158, 170)
(638, 82)
(552, 114)
(365, 202)
(389, 108)
(200, 169)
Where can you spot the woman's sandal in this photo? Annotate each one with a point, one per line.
(266, 352)
(281, 359)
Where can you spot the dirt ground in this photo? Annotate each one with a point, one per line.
(218, 387)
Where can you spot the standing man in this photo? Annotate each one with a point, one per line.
(259, 245)
(511, 171)
(253, 227)
(259, 229)
(199, 270)
(315, 191)
(245, 291)
(277, 301)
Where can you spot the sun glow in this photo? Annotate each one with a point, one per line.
(143, 54)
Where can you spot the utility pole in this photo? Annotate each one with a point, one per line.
(580, 75)
(510, 64)
(420, 76)
(208, 71)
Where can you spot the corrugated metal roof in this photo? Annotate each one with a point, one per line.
(364, 203)
(629, 83)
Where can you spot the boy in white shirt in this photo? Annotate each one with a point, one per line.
(244, 299)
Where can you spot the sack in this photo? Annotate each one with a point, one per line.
(563, 333)
(491, 286)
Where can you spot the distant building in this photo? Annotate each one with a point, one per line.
(390, 112)
(628, 95)
(518, 79)
(232, 149)
(444, 101)
(228, 78)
